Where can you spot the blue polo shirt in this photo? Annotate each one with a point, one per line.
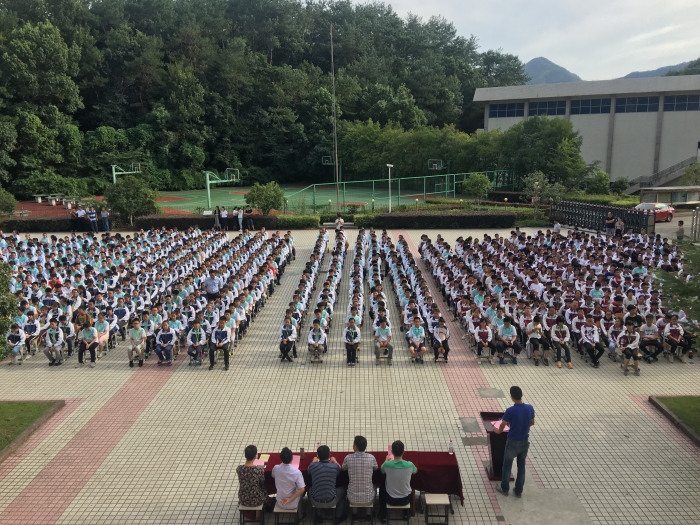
(518, 417)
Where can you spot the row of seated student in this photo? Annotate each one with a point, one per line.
(373, 255)
(163, 290)
(576, 293)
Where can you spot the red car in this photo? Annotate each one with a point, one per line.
(662, 212)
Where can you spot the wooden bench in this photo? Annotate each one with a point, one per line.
(437, 500)
(405, 512)
(242, 520)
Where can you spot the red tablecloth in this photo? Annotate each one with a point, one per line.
(438, 472)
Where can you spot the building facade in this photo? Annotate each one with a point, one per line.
(635, 127)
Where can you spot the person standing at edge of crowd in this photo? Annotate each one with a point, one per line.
(520, 417)
(105, 219)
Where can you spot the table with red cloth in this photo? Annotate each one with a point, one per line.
(438, 472)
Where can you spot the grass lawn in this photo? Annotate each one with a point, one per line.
(15, 417)
(687, 408)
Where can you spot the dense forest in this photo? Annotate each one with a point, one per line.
(186, 85)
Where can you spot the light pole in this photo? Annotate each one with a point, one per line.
(389, 166)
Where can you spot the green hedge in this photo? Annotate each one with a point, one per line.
(330, 217)
(35, 225)
(605, 200)
(298, 222)
(445, 220)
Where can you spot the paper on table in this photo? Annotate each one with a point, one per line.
(264, 457)
(259, 463)
(497, 424)
(296, 460)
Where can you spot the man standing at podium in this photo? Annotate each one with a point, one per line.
(520, 417)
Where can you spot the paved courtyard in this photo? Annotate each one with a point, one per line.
(160, 445)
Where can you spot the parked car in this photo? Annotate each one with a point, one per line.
(662, 212)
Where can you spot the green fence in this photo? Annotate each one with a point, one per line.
(374, 195)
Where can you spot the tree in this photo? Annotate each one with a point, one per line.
(266, 197)
(8, 305)
(691, 69)
(691, 175)
(618, 186)
(7, 202)
(477, 184)
(540, 191)
(599, 184)
(131, 197)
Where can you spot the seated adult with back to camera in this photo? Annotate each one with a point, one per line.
(289, 483)
(251, 481)
(396, 490)
(360, 466)
(324, 494)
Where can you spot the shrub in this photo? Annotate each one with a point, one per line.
(364, 220)
(330, 217)
(618, 186)
(7, 202)
(8, 305)
(478, 185)
(131, 197)
(298, 222)
(265, 198)
(534, 223)
(422, 220)
(48, 182)
(36, 225)
(599, 184)
(605, 200)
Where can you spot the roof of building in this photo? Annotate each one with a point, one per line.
(672, 188)
(620, 86)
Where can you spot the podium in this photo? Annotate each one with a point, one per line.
(497, 444)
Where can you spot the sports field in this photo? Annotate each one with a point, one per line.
(304, 198)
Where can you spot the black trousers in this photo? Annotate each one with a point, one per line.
(683, 344)
(490, 345)
(91, 348)
(647, 347)
(285, 348)
(384, 498)
(212, 352)
(595, 352)
(558, 346)
(516, 348)
(351, 349)
(436, 348)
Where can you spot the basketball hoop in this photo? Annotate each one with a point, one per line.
(435, 164)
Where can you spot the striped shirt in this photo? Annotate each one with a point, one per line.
(323, 476)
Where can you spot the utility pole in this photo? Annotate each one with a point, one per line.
(335, 127)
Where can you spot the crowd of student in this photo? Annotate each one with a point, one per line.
(290, 486)
(585, 293)
(374, 258)
(162, 290)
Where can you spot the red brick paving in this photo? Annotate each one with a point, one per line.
(51, 492)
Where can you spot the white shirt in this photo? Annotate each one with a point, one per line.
(288, 480)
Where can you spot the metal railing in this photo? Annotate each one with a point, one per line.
(373, 194)
(649, 181)
(592, 216)
(695, 225)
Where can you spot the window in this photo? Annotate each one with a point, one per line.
(637, 105)
(549, 107)
(593, 106)
(514, 109)
(682, 103)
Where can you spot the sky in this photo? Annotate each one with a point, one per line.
(595, 39)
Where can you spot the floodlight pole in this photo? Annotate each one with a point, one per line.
(206, 177)
(335, 127)
(390, 166)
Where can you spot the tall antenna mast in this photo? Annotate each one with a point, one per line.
(335, 127)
